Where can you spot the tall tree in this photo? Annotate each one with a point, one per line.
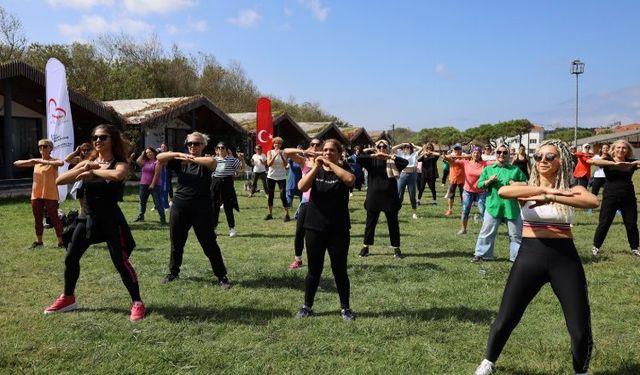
(12, 38)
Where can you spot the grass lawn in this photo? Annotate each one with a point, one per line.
(429, 313)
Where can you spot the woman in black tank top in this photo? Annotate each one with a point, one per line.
(103, 175)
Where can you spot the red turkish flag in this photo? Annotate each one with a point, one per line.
(264, 124)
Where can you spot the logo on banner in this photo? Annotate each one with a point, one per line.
(264, 136)
(58, 113)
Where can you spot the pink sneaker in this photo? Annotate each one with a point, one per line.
(137, 311)
(62, 304)
(295, 264)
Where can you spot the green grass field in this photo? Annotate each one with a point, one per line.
(429, 313)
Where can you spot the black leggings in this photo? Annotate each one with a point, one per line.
(271, 186)
(597, 184)
(445, 174)
(392, 224)
(224, 193)
(427, 181)
(337, 245)
(628, 207)
(542, 261)
(298, 243)
(200, 218)
(117, 250)
(254, 183)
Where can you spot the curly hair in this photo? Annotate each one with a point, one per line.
(563, 175)
(119, 145)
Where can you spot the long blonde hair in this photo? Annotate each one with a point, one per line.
(563, 175)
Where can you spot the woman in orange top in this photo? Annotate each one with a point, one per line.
(456, 177)
(44, 192)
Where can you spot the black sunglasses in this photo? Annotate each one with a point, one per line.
(315, 144)
(43, 146)
(193, 144)
(381, 147)
(549, 156)
(101, 137)
(502, 152)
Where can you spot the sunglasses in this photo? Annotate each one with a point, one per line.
(101, 137)
(502, 152)
(549, 156)
(43, 146)
(221, 147)
(193, 144)
(381, 147)
(315, 144)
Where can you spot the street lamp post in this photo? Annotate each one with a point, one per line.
(577, 68)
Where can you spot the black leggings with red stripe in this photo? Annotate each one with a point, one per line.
(119, 256)
(542, 261)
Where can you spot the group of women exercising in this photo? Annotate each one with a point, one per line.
(548, 201)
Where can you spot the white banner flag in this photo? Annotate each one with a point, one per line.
(59, 122)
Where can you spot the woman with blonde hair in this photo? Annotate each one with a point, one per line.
(547, 255)
(44, 192)
(618, 194)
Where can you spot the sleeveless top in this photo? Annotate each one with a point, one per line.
(545, 216)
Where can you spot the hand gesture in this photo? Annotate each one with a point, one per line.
(380, 156)
(91, 165)
(84, 175)
(321, 161)
(491, 179)
(185, 157)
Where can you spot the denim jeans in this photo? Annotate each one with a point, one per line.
(408, 180)
(157, 201)
(467, 201)
(489, 230)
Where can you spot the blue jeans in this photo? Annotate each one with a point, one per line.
(467, 200)
(157, 201)
(487, 236)
(408, 180)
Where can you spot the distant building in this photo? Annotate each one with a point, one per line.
(530, 140)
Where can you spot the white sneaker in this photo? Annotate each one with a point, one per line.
(595, 251)
(414, 216)
(232, 232)
(350, 195)
(486, 367)
(635, 252)
(461, 232)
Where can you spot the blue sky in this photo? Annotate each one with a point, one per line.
(373, 63)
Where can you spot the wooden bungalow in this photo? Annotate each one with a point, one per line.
(324, 130)
(358, 136)
(377, 135)
(283, 126)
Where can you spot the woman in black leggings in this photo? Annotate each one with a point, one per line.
(103, 176)
(547, 255)
(618, 194)
(192, 206)
(429, 175)
(327, 225)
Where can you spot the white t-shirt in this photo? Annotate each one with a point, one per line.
(599, 172)
(259, 163)
(277, 171)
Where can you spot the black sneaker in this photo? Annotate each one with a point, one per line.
(364, 252)
(36, 245)
(169, 278)
(347, 315)
(304, 312)
(139, 218)
(61, 245)
(268, 217)
(286, 218)
(224, 282)
(397, 253)
(476, 258)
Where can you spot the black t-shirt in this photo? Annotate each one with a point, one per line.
(194, 182)
(618, 179)
(429, 165)
(328, 209)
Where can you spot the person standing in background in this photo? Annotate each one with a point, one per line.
(277, 175)
(599, 177)
(223, 192)
(149, 181)
(429, 160)
(582, 170)
(259, 162)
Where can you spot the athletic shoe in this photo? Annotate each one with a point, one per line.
(286, 218)
(635, 252)
(232, 232)
(476, 258)
(137, 311)
(448, 213)
(62, 304)
(347, 315)
(414, 216)
(595, 251)
(461, 231)
(304, 312)
(397, 253)
(295, 264)
(364, 251)
(418, 202)
(62, 245)
(224, 282)
(268, 217)
(350, 195)
(434, 203)
(36, 245)
(169, 278)
(139, 218)
(486, 368)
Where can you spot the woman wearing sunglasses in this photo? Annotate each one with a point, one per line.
(306, 159)
(44, 192)
(103, 176)
(547, 255)
(327, 225)
(192, 206)
(382, 194)
(618, 194)
(222, 189)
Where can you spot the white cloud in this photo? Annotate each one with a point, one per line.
(172, 30)
(156, 6)
(200, 26)
(246, 18)
(319, 11)
(96, 24)
(441, 69)
(80, 4)
(285, 27)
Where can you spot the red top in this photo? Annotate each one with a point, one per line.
(583, 169)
